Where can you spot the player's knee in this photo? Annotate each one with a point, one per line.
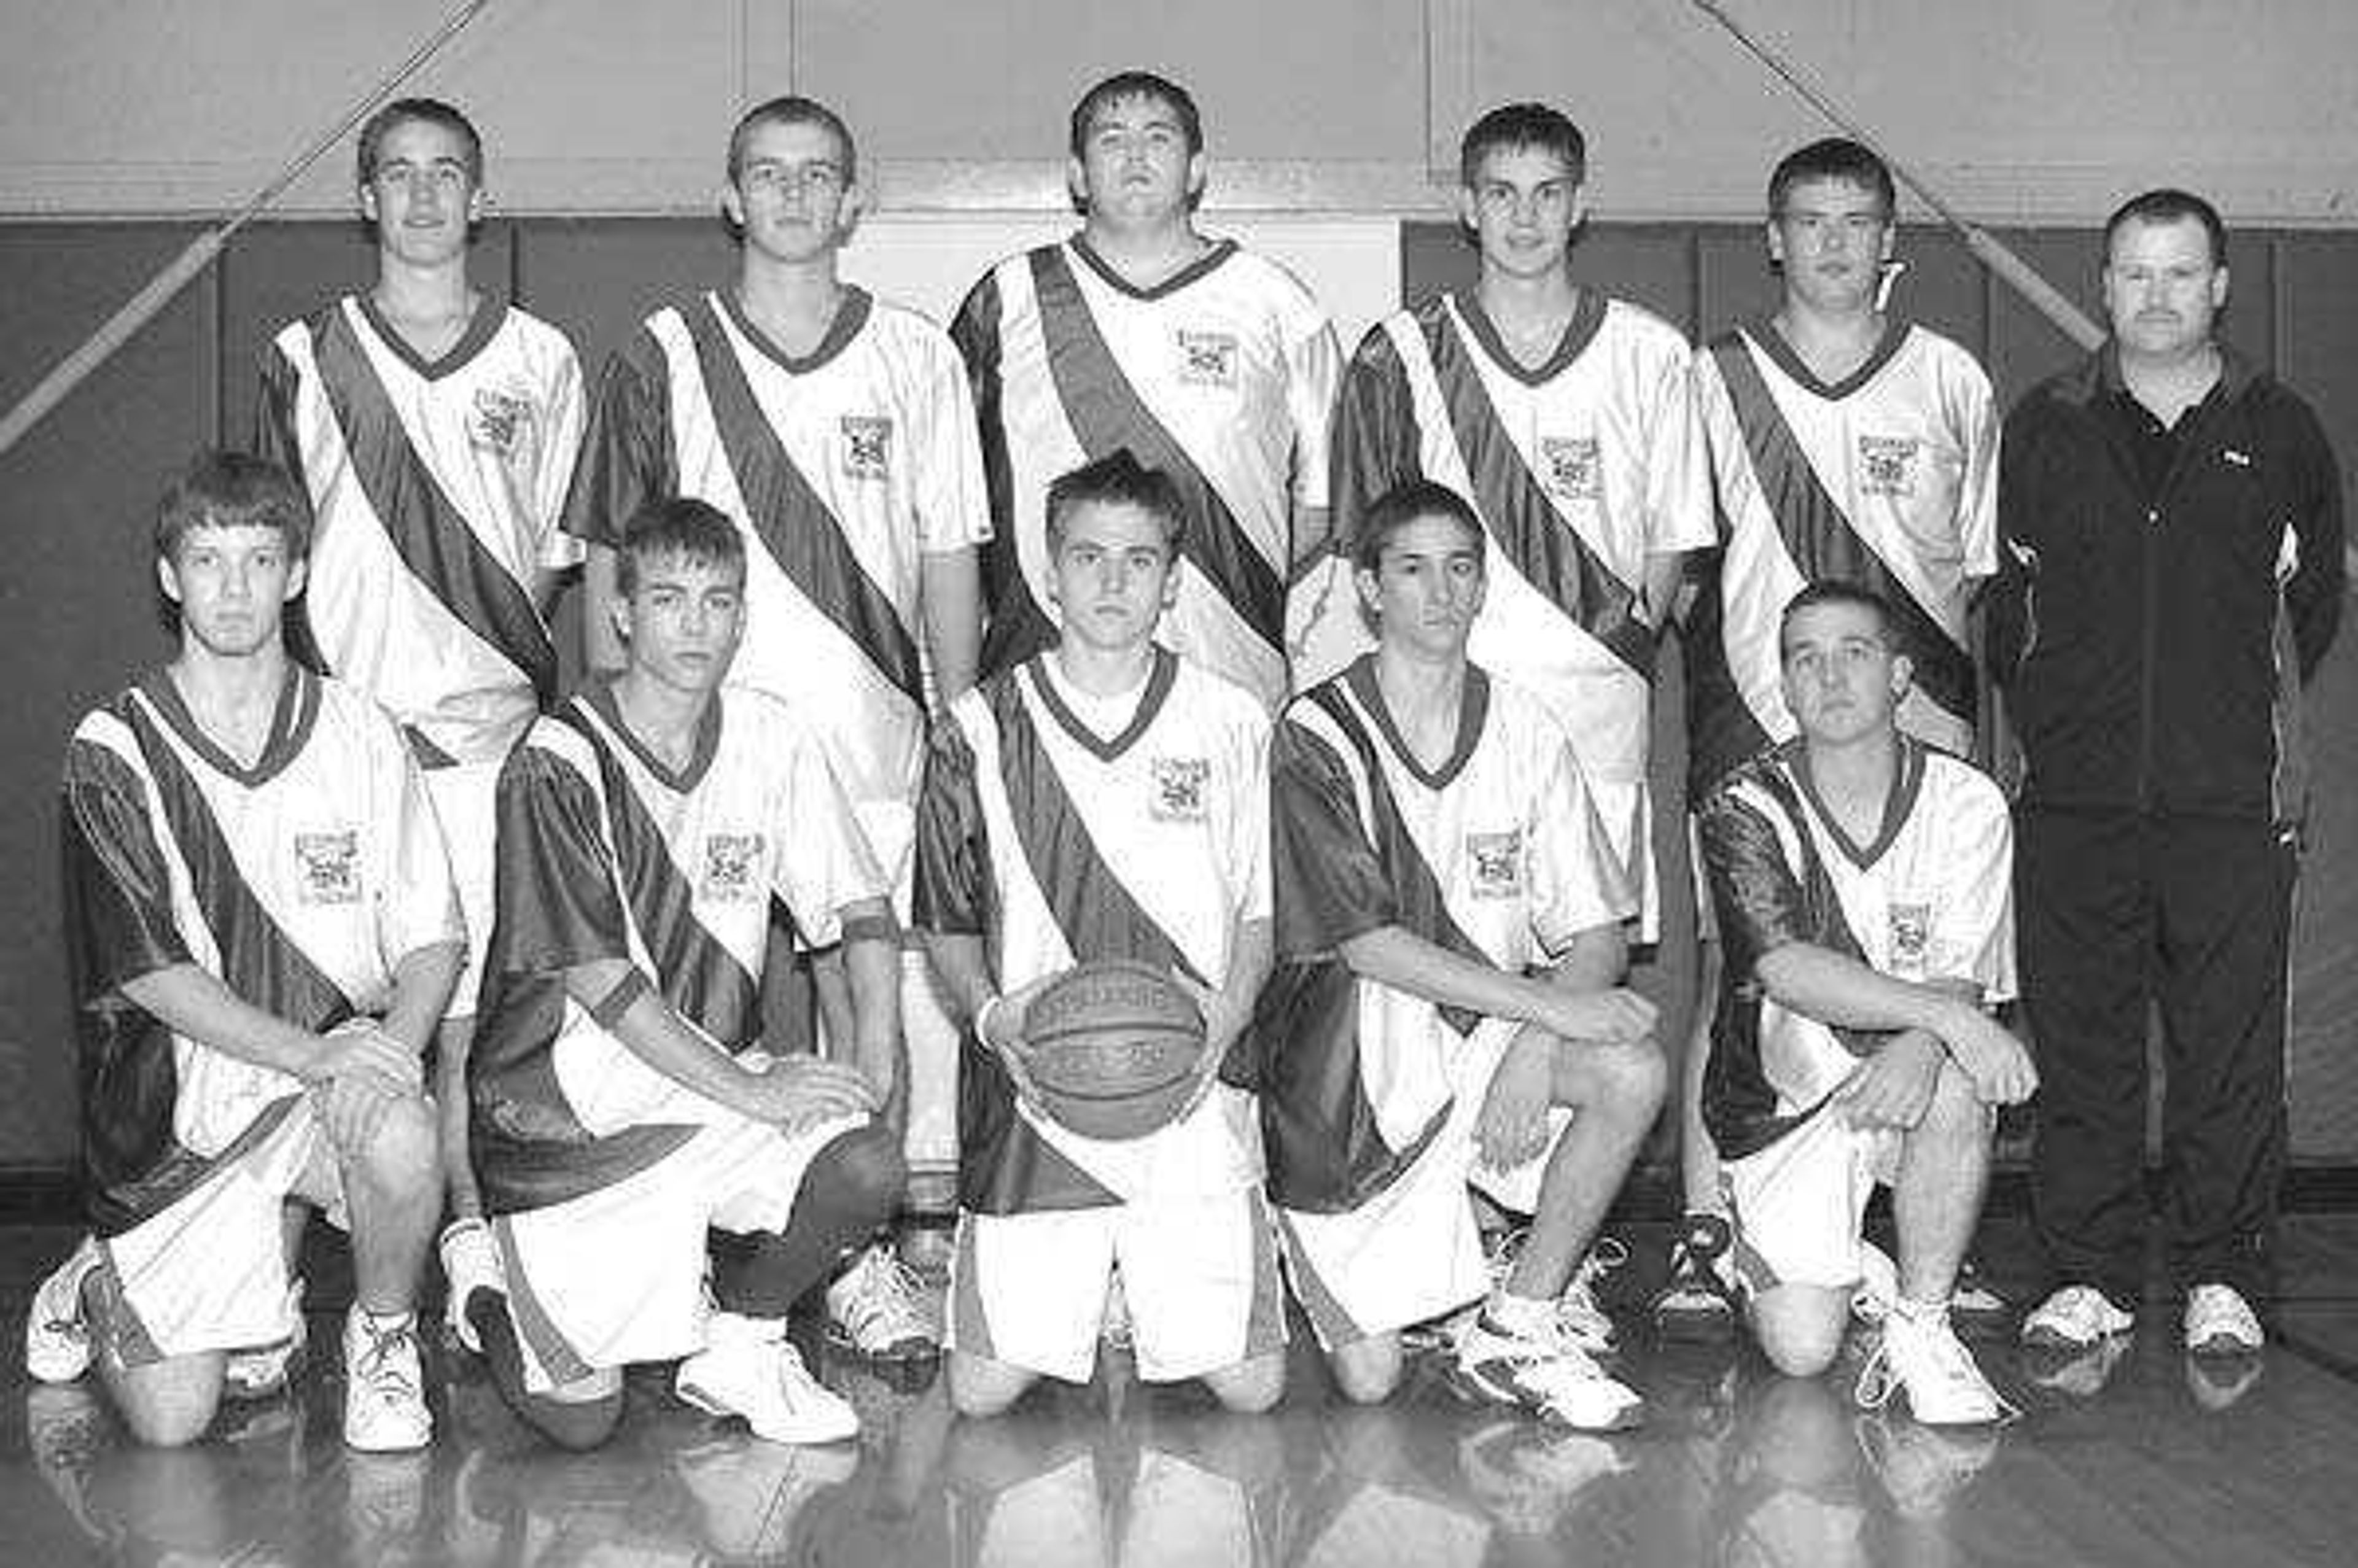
(1367, 1370)
(868, 1173)
(982, 1387)
(1799, 1338)
(170, 1405)
(402, 1156)
(1629, 1079)
(576, 1426)
(1250, 1387)
(1955, 1108)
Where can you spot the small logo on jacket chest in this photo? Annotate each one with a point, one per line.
(1571, 467)
(1910, 934)
(1207, 358)
(732, 868)
(329, 867)
(502, 419)
(867, 446)
(1888, 464)
(1179, 789)
(1496, 860)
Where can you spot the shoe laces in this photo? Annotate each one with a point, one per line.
(884, 1287)
(381, 1366)
(1930, 1349)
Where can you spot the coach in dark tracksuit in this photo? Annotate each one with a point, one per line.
(2171, 573)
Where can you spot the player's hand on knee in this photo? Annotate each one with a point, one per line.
(360, 1046)
(1512, 1126)
(354, 1105)
(800, 1092)
(1998, 1063)
(1894, 1086)
(1616, 1017)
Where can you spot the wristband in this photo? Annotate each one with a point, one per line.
(616, 1002)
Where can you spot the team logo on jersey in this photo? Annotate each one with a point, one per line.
(1498, 863)
(1886, 464)
(1570, 467)
(1911, 939)
(867, 446)
(501, 420)
(329, 867)
(732, 868)
(1207, 358)
(1179, 789)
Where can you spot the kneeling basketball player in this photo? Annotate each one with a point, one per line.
(621, 1105)
(1104, 800)
(1446, 1011)
(1861, 881)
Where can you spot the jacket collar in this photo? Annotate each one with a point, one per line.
(2099, 375)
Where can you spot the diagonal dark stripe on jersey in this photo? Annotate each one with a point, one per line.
(700, 978)
(258, 961)
(425, 529)
(1424, 909)
(1548, 551)
(1015, 628)
(1740, 1105)
(1723, 731)
(1106, 414)
(794, 526)
(1818, 534)
(1091, 904)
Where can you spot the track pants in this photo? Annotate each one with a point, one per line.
(2114, 911)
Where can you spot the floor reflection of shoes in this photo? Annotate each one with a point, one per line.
(2078, 1374)
(2217, 1383)
(66, 1428)
(1692, 1391)
(1923, 1467)
(751, 1495)
(1528, 1476)
(384, 1502)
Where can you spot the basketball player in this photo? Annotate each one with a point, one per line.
(435, 428)
(620, 1106)
(1862, 880)
(1847, 443)
(265, 935)
(1209, 363)
(1104, 799)
(834, 428)
(1566, 418)
(1450, 941)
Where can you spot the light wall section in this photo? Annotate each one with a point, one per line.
(2033, 112)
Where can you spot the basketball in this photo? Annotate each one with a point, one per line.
(1113, 1047)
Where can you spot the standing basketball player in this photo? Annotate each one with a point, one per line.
(436, 430)
(265, 935)
(1207, 361)
(1450, 942)
(1104, 799)
(834, 428)
(1846, 444)
(1566, 418)
(620, 1106)
(1863, 883)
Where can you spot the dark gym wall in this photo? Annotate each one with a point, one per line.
(76, 500)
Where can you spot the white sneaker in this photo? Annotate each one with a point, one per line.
(57, 1335)
(384, 1388)
(880, 1308)
(1583, 1320)
(2074, 1318)
(1531, 1364)
(1878, 1285)
(748, 1368)
(2220, 1321)
(471, 1262)
(1921, 1357)
(261, 1371)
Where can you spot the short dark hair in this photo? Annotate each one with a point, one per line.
(2169, 205)
(233, 490)
(1513, 126)
(434, 112)
(1841, 591)
(792, 110)
(1126, 84)
(679, 525)
(1834, 158)
(1117, 478)
(1404, 503)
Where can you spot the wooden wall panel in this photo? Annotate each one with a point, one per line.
(77, 595)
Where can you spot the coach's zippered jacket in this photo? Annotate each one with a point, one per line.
(2153, 648)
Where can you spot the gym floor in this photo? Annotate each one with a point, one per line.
(2142, 1459)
